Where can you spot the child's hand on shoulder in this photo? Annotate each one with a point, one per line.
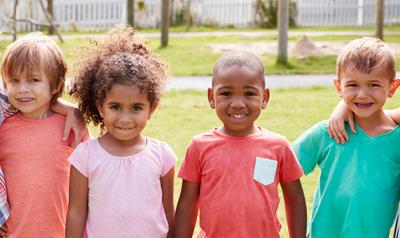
(74, 121)
(3, 231)
(336, 127)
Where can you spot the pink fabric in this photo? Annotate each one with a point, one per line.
(34, 161)
(125, 197)
(232, 202)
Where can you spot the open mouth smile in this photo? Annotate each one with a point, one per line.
(237, 116)
(363, 105)
(124, 129)
(25, 99)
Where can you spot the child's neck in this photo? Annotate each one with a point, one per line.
(122, 148)
(377, 124)
(38, 115)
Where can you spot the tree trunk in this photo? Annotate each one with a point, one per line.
(50, 20)
(50, 10)
(283, 24)
(130, 12)
(14, 22)
(379, 13)
(164, 23)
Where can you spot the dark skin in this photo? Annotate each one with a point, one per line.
(237, 88)
(295, 206)
(187, 209)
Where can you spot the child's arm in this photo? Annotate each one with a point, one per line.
(186, 211)
(394, 114)
(336, 128)
(167, 186)
(74, 121)
(78, 204)
(295, 206)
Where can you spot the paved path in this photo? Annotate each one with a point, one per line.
(272, 81)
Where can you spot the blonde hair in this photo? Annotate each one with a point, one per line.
(35, 52)
(365, 55)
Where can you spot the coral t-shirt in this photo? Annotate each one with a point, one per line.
(34, 161)
(238, 179)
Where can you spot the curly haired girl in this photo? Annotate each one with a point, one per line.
(122, 182)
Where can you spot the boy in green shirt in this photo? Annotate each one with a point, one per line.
(359, 185)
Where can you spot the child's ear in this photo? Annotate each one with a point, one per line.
(210, 95)
(100, 109)
(58, 88)
(153, 108)
(265, 98)
(393, 87)
(336, 82)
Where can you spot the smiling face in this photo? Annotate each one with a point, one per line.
(238, 96)
(125, 111)
(365, 94)
(31, 93)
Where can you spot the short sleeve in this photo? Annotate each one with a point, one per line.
(290, 168)
(309, 146)
(190, 169)
(80, 158)
(6, 110)
(169, 158)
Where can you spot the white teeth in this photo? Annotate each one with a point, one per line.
(238, 116)
(25, 99)
(124, 129)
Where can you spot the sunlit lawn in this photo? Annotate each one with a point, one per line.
(195, 57)
(183, 114)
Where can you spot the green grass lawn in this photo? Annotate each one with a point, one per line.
(290, 112)
(194, 56)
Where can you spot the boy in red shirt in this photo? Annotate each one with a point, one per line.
(232, 173)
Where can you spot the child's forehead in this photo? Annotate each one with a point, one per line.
(26, 71)
(237, 75)
(380, 73)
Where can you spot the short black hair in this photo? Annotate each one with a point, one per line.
(240, 59)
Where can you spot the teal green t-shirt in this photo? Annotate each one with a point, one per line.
(358, 190)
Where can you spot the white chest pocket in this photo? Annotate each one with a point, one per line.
(264, 170)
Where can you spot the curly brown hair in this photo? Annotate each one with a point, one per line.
(121, 58)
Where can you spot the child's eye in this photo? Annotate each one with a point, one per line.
(226, 94)
(248, 94)
(35, 80)
(115, 107)
(351, 85)
(373, 85)
(14, 80)
(137, 108)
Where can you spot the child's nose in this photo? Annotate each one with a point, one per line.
(363, 92)
(237, 102)
(125, 117)
(23, 87)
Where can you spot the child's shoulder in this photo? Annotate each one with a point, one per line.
(272, 135)
(156, 142)
(158, 145)
(319, 128)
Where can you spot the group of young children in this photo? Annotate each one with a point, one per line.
(121, 183)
